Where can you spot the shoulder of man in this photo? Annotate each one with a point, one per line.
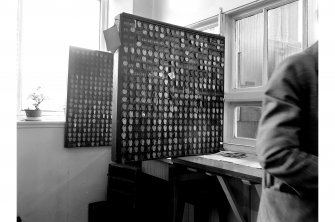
(298, 68)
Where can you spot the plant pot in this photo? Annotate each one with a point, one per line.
(33, 114)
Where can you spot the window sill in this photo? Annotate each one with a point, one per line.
(251, 149)
(46, 122)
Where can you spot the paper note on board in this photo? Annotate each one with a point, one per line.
(112, 39)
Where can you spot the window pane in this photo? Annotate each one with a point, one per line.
(246, 121)
(48, 29)
(284, 33)
(312, 22)
(249, 48)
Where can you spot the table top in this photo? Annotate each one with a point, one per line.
(221, 168)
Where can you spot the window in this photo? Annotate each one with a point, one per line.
(47, 29)
(284, 33)
(258, 37)
(249, 40)
(246, 120)
(241, 122)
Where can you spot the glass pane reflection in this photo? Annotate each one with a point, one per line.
(246, 121)
(249, 51)
(284, 33)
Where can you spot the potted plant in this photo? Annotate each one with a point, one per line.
(37, 97)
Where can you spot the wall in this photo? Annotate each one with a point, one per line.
(187, 12)
(228, 5)
(118, 6)
(143, 8)
(55, 184)
(175, 12)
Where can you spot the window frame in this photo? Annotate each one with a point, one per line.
(229, 111)
(52, 114)
(206, 23)
(250, 95)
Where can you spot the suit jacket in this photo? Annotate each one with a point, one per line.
(287, 141)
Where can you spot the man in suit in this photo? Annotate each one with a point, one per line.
(287, 141)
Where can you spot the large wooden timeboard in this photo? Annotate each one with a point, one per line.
(167, 91)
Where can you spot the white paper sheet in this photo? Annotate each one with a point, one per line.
(228, 156)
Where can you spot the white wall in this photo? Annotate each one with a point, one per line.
(118, 6)
(185, 12)
(228, 5)
(178, 12)
(56, 184)
(143, 8)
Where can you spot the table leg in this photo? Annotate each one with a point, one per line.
(176, 204)
(231, 199)
(258, 188)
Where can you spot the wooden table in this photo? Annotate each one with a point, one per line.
(221, 170)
